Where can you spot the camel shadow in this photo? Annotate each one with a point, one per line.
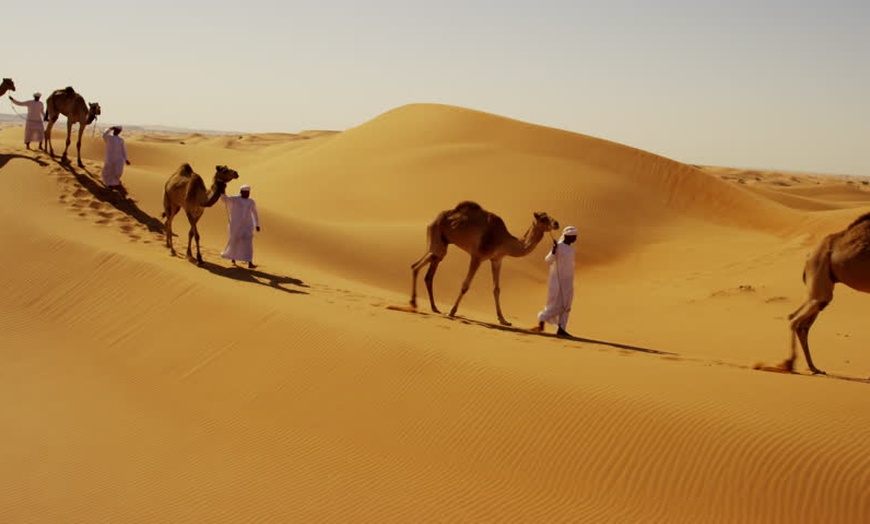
(117, 199)
(512, 329)
(255, 276)
(522, 331)
(4, 159)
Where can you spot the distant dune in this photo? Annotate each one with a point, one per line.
(139, 387)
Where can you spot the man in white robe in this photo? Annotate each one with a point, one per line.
(33, 129)
(242, 214)
(116, 157)
(560, 287)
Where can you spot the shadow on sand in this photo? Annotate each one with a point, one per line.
(4, 159)
(521, 331)
(117, 199)
(255, 276)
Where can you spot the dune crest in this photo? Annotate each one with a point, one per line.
(140, 387)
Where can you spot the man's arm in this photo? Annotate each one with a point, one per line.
(255, 215)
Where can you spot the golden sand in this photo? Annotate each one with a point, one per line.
(138, 387)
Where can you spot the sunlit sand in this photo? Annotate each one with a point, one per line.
(138, 386)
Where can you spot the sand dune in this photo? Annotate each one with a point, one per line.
(139, 387)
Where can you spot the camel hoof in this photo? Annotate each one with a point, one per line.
(818, 372)
(436, 310)
(504, 322)
(81, 165)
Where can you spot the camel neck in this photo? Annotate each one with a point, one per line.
(214, 193)
(522, 247)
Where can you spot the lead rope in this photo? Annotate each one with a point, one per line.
(16, 111)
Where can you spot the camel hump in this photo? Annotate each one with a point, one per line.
(467, 205)
(185, 170)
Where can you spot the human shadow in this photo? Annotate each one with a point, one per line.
(255, 276)
(5, 158)
(522, 331)
(120, 200)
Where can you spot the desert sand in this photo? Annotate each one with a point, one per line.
(138, 387)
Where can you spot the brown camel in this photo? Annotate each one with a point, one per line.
(186, 189)
(7, 85)
(73, 106)
(840, 257)
(482, 235)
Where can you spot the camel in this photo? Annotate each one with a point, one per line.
(72, 105)
(484, 236)
(7, 85)
(186, 189)
(840, 257)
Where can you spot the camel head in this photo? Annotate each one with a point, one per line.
(544, 222)
(93, 112)
(7, 85)
(224, 175)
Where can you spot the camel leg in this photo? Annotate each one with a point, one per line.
(63, 157)
(817, 275)
(79, 145)
(191, 235)
(415, 269)
(167, 227)
(429, 279)
(190, 231)
(496, 290)
(472, 269)
(49, 148)
(801, 322)
(199, 260)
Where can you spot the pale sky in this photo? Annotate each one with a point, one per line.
(768, 84)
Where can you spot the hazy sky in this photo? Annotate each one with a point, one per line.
(764, 83)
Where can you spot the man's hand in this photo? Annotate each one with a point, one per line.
(128, 162)
(258, 229)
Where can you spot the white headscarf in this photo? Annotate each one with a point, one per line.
(569, 231)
